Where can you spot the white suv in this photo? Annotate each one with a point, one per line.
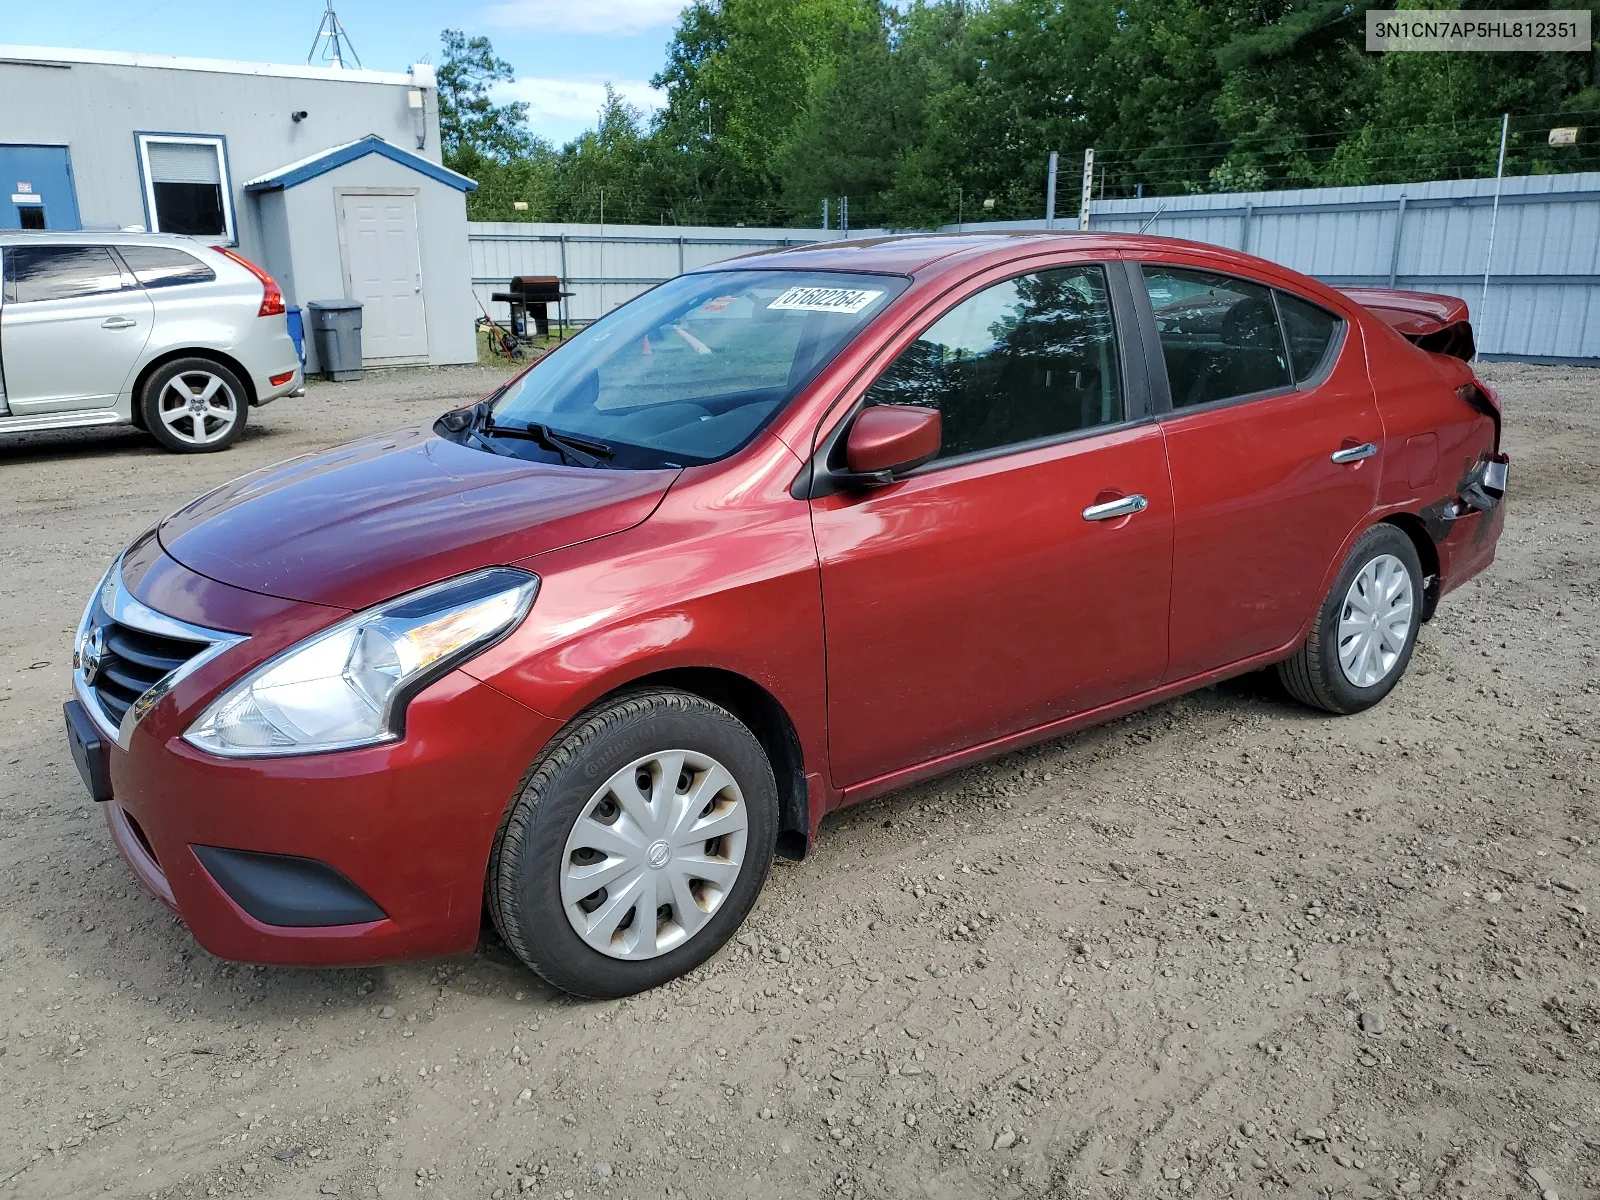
(152, 330)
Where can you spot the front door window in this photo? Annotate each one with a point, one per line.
(1031, 358)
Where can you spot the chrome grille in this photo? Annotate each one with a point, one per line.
(130, 662)
(127, 656)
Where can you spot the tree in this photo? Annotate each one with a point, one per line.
(473, 129)
(739, 78)
(607, 172)
(920, 111)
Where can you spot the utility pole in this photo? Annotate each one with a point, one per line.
(1050, 193)
(1088, 187)
(1494, 219)
(339, 46)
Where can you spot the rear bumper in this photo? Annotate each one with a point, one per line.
(267, 391)
(268, 353)
(1467, 529)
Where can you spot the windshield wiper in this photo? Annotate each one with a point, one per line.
(580, 451)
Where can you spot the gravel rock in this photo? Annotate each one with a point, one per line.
(1230, 800)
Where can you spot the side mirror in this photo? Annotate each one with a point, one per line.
(887, 440)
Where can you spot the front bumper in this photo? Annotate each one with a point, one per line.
(407, 826)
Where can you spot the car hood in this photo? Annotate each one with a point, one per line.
(362, 522)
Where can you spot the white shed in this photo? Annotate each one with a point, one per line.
(371, 221)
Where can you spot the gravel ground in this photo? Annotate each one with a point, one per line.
(1224, 946)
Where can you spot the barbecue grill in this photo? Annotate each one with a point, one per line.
(531, 296)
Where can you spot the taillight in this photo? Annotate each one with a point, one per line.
(271, 294)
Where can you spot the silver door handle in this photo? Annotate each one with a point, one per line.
(1352, 454)
(118, 323)
(1112, 509)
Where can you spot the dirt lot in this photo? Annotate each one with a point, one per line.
(1226, 946)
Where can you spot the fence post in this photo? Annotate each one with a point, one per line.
(824, 213)
(1394, 252)
(1050, 193)
(565, 311)
(1088, 186)
(680, 254)
(844, 215)
(1244, 227)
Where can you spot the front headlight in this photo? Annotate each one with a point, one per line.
(348, 685)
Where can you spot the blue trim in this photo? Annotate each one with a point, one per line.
(232, 214)
(371, 144)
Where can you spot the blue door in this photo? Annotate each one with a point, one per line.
(36, 190)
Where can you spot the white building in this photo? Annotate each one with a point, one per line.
(331, 179)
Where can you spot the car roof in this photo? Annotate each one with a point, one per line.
(96, 237)
(914, 253)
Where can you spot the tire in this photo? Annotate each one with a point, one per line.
(1341, 676)
(169, 405)
(577, 790)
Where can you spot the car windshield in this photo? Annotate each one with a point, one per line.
(690, 371)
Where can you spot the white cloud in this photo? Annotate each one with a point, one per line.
(615, 17)
(576, 98)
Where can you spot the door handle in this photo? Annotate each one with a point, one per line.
(1126, 506)
(1352, 454)
(118, 323)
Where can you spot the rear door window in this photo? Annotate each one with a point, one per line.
(1312, 334)
(35, 273)
(1028, 358)
(164, 266)
(1220, 336)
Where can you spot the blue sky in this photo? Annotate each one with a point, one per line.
(563, 51)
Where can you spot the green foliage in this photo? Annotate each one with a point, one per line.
(922, 113)
(472, 128)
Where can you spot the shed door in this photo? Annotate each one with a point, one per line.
(383, 270)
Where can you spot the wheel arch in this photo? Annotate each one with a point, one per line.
(1427, 553)
(764, 715)
(221, 357)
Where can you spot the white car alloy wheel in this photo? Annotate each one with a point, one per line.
(1375, 621)
(654, 854)
(197, 407)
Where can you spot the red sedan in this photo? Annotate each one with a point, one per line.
(775, 537)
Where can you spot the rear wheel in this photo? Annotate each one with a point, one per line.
(1366, 628)
(194, 405)
(636, 845)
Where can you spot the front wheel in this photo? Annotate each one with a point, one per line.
(636, 845)
(194, 405)
(1366, 628)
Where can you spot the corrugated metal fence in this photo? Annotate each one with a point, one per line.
(605, 265)
(1544, 293)
(1544, 282)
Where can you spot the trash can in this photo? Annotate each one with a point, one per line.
(297, 333)
(336, 328)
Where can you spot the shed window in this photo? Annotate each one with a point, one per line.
(186, 185)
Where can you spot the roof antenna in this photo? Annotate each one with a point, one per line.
(339, 46)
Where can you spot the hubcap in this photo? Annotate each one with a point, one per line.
(654, 854)
(1375, 621)
(197, 407)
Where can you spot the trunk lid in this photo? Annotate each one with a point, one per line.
(1430, 321)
